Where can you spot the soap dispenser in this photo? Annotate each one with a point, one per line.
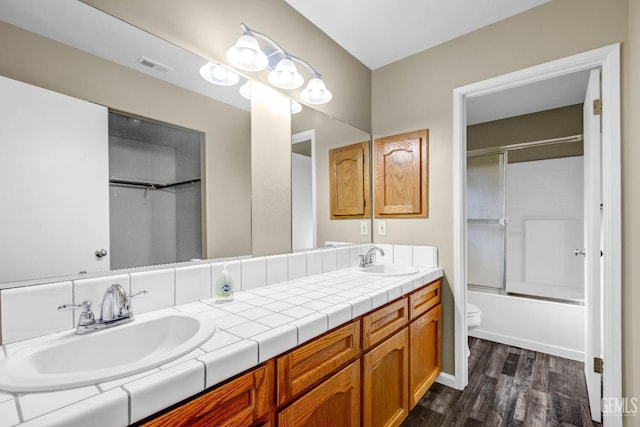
(224, 286)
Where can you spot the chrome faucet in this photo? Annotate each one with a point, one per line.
(116, 309)
(369, 258)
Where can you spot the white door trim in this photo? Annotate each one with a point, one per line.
(608, 58)
(296, 138)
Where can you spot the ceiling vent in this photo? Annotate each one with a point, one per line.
(153, 65)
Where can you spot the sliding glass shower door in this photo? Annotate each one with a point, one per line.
(486, 220)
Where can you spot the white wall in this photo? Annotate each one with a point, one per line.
(549, 327)
(302, 202)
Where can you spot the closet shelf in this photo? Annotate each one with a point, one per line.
(149, 185)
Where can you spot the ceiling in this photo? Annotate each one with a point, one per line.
(379, 32)
(83, 27)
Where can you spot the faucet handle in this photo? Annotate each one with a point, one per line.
(127, 309)
(86, 317)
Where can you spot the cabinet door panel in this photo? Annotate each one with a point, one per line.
(335, 402)
(385, 382)
(424, 342)
(349, 181)
(383, 322)
(401, 172)
(303, 367)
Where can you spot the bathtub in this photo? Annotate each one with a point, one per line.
(550, 327)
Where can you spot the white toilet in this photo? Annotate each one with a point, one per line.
(474, 317)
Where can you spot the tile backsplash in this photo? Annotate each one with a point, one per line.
(31, 311)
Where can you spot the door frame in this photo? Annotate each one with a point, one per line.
(608, 59)
(296, 138)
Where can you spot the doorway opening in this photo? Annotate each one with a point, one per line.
(155, 197)
(609, 285)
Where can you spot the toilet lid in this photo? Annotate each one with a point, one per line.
(472, 309)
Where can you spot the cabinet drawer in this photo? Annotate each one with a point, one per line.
(383, 322)
(303, 367)
(423, 299)
(239, 402)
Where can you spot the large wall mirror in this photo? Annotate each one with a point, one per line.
(73, 49)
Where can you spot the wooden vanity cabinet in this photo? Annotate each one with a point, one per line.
(245, 401)
(424, 340)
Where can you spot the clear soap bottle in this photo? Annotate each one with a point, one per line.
(224, 286)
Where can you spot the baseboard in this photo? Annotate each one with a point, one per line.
(529, 345)
(448, 380)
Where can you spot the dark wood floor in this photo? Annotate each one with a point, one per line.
(509, 387)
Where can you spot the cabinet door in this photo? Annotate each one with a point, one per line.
(335, 402)
(424, 342)
(349, 181)
(305, 366)
(401, 175)
(385, 384)
(238, 403)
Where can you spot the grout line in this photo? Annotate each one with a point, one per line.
(18, 408)
(128, 402)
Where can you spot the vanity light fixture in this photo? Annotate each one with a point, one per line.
(247, 54)
(295, 107)
(219, 74)
(245, 90)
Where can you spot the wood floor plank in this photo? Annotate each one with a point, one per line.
(509, 387)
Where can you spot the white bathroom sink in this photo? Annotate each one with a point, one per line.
(388, 270)
(70, 360)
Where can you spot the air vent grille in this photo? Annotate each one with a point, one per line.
(154, 65)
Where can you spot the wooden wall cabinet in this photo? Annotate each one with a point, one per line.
(401, 171)
(245, 401)
(349, 181)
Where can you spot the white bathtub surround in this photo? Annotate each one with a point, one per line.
(545, 326)
(260, 324)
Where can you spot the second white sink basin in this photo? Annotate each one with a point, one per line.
(389, 270)
(71, 360)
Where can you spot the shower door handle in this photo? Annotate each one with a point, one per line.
(577, 252)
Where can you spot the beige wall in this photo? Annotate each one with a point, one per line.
(330, 133)
(209, 28)
(42, 62)
(270, 171)
(540, 126)
(417, 93)
(631, 212)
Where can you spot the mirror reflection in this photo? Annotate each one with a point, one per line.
(101, 61)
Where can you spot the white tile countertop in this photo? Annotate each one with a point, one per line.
(258, 325)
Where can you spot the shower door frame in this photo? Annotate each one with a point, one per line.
(608, 59)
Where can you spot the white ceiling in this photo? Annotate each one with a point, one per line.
(379, 32)
(81, 26)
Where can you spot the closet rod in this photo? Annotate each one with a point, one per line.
(523, 145)
(149, 185)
